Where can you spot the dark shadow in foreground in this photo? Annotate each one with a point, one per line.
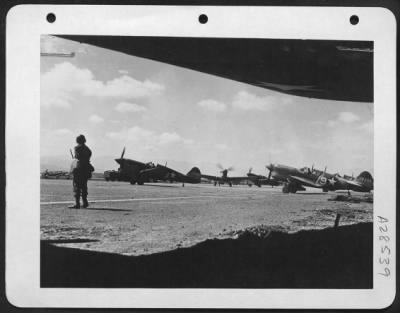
(76, 240)
(330, 258)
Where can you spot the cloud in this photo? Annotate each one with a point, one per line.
(332, 123)
(130, 107)
(343, 118)
(125, 72)
(146, 138)
(248, 102)
(63, 131)
(367, 126)
(51, 44)
(348, 117)
(95, 119)
(168, 138)
(62, 83)
(212, 105)
(221, 146)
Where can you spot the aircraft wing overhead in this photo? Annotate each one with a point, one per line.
(323, 69)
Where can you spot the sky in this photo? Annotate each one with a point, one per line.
(167, 114)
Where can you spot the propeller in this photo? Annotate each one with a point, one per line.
(250, 169)
(120, 161)
(269, 176)
(231, 168)
(270, 167)
(312, 168)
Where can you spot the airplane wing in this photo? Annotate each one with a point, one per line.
(237, 179)
(353, 183)
(161, 172)
(210, 177)
(303, 181)
(270, 181)
(318, 68)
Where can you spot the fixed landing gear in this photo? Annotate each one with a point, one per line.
(289, 188)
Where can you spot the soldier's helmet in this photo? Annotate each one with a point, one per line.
(81, 139)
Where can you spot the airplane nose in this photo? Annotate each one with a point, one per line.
(119, 161)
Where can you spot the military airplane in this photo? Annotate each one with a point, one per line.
(138, 172)
(224, 178)
(55, 174)
(294, 179)
(164, 173)
(260, 180)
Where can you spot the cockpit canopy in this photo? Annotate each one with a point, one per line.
(150, 164)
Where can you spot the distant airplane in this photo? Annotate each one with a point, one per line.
(260, 180)
(55, 174)
(220, 180)
(294, 179)
(138, 172)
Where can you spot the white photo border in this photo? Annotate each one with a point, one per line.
(24, 26)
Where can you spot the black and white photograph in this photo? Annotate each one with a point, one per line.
(206, 163)
(200, 157)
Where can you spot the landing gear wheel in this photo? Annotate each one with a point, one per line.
(292, 188)
(140, 183)
(133, 182)
(285, 188)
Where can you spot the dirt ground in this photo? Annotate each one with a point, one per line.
(141, 220)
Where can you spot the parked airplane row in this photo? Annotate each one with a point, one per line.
(292, 179)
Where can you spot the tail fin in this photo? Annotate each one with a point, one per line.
(365, 178)
(194, 172)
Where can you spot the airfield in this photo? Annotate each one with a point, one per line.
(137, 220)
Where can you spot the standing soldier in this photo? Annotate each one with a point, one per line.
(82, 171)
